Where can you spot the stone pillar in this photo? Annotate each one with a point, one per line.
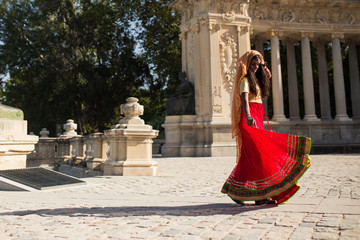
(354, 81)
(15, 144)
(309, 99)
(339, 86)
(277, 87)
(292, 81)
(77, 149)
(131, 144)
(217, 33)
(183, 38)
(259, 45)
(323, 82)
(94, 151)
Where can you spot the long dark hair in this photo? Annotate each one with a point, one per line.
(258, 78)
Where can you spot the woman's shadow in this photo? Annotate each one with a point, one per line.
(125, 211)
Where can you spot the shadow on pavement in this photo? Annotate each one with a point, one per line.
(109, 212)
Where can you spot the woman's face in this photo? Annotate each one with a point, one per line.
(254, 65)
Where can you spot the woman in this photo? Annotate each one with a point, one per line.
(269, 164)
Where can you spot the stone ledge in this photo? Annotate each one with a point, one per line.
(338, 148)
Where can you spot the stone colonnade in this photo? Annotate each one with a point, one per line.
(308, 84)
(216, 33)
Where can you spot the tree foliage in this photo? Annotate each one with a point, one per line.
(76, 58)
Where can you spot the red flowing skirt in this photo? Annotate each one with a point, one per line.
(270, 163)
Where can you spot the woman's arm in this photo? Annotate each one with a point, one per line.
(245, 107)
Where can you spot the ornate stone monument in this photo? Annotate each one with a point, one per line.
(15, 144)
(214, 34)
(131, 144)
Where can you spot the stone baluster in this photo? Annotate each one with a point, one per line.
(323, 82)
(277, 87)
(44, 133)
(70, 128)
(309, 98)
(292, 81)
(354, 81)
(339, 85)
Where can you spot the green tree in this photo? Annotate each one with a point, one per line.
(157, 30)
(69, 59)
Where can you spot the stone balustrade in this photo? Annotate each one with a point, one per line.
(87, 151)
(125, 149)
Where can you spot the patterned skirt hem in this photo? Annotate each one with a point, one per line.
(278, 188)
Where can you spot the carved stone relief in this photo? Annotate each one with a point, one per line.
(216, 94)
(217, 109)
(228, 59)
(217, 91)
(301, 14)
(227, 6)
(228, 17)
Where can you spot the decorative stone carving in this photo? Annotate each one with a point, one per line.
(226, 6)
(289, 16)
(229, 16)
(228, 59)
(303, 14)
(70, 128)
(258, 13)
(217, 91)
(214, 27)
(217, 109)
(132, 110)
(321, 16)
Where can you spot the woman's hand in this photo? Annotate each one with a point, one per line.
(266, 70)
(251, 122)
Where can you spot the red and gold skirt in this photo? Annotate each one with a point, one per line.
(270, 163)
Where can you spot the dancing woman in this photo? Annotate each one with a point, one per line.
(269, 164)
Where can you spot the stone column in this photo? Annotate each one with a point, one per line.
(309, 98)
(292, 81)
(323, 82)
(183, 38)
(259, 45)
(277, 88)
(339, 86)
(354, 81)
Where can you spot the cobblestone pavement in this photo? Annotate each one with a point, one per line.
(184, 202)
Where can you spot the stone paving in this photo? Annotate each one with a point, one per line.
(184, 202)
